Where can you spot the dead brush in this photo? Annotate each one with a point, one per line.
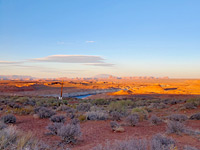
(155, 120)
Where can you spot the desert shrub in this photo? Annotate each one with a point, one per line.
(39, 103)
(36, 110)
(13, 105)
(114, 124)
(116, 106)
(23, 111)
(96, 115)
(63, 108)
(148, 109)
(194, 101)
(190, 106)
(22, 100)
(58, 118)
(100, 102)
(158, 105)
(71, 112)
(82, 118)
(65, 102)
(190, 131)
(141, 112)
(12, 139)
(187, 147)
(173, 102)
(166, 101)
(53, 127)
(96, 108)
(195, 116)
(44, 112)
(54, 107)
(69, 133)
(119, 106)
(132, 119)
(127, 103)
(10, 118)
(30, 102)
(133, 144)
(51, 101)
(153, 105)
(155, 120)
(2, 125)
(83, 107)
(75, 121)
(116, 115)
(140, 103)
(178, 117)
(8, 136)
(175, 127)
(160, 142)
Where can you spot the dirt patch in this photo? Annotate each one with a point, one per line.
(98, 132)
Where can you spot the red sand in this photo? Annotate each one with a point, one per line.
(98, 132)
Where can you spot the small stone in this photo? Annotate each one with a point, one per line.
(36, 116)
(119, 129)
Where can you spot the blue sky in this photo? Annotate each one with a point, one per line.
(55, 38)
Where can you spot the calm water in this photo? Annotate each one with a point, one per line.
(82, 96)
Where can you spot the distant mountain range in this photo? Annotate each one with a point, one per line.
(99, 76)
(16, 77)
(102, 76)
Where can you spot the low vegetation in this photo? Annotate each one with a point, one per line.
(175, 127)
(178, 117)
(195, 116)
(155, 120)
(65, 119)
(58, 118)
(160, 142)
(10, 118)
(133, 119)
(96, 115)
(69, 133)
(44, 112)
(12, 139)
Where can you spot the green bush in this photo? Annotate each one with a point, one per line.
(194, 101)
(100, 102)
(23, 111)
(141, 111)
(82, 118)
(120, 106)
(65, 102)
(22, 100)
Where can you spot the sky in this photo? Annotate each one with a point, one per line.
(83, 38)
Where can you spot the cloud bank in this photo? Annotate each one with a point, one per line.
(90, 60)
(82, 59)
(9, 62)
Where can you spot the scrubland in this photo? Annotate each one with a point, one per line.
(98, 124)
(101, 122)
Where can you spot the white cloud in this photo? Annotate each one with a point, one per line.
(81, 59)
(9, 62)
(89, 41)
(70, 59)
(101, 64)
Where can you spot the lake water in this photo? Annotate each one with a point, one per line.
(82, 96)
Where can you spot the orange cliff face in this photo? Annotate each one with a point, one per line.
(127, 86)
(167, 87)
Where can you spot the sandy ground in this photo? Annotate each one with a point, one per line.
(99, 132)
